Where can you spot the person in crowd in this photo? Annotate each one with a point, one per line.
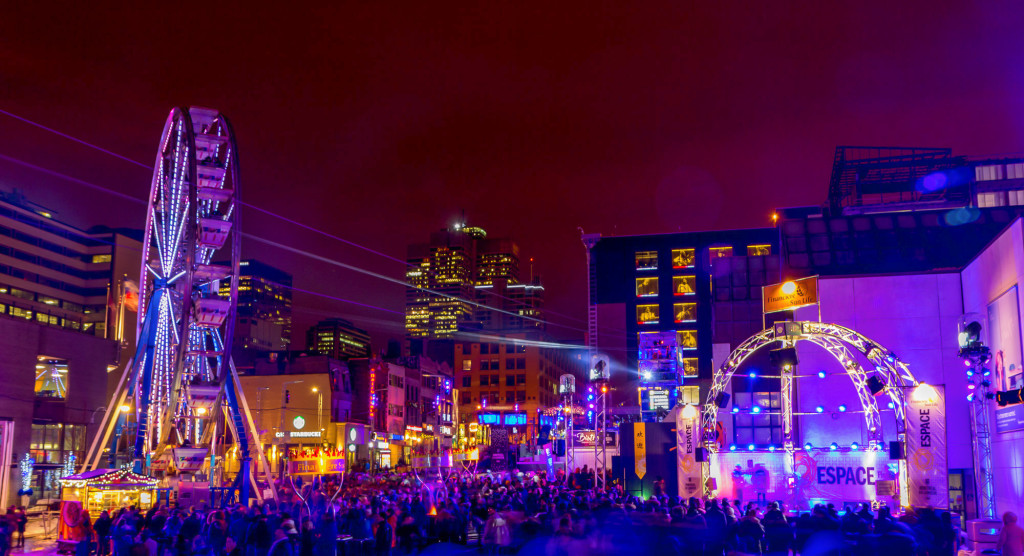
(1011, 536)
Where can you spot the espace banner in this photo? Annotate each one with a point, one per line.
(816, 476)
(687, 468)
(926, 447)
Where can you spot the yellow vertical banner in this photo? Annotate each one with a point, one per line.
(640, 449)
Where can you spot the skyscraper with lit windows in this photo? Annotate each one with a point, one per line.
(264, 310)
(463, 280)
(338, 338)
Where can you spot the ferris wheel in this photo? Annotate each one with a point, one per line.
(185, 315)
(181, 375)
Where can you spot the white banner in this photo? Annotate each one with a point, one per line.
(189, 459)
(926, 447)
(687, 467)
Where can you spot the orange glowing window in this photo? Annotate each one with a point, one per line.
(685, 312)
(647, 314)
(646, 260)
(684, 285)
(759, 250)
(683, 258)
(687, 339)
(647, 287)
(720, 252)
(690, 366)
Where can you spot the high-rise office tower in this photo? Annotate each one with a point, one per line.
(461, 280)
(264, 309)
(338, 338)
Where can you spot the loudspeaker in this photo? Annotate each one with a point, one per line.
(896, 450)
(722, 400)
(1009, 397)
(875, 384)
(700, 455)
(781, 357)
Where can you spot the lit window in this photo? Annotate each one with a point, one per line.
(101, 258)
(646, 260)
(690, 366)
(467, 365)
(682, 258)
(646, 287)
(685, 312)
(759, 250)
(1015, 171)
(51, 378)
(993, 199)
(647, 314)
(988, 173)
(690, 395)
(1016, 197)
(720, 252)
(686, 339)
(684, 285)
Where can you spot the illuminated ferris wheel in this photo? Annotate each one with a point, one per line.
(191, 248)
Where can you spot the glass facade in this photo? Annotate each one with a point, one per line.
(683, 258)
(685, 312)
(646, 260)
(686, 339)
(763, 428)
(720, 252)
(646, 287)
(647, 314)
(759, 250)
(51, 378)
(684, 285)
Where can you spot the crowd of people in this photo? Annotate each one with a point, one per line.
(509, 514)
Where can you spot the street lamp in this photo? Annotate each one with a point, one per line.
(319, 407)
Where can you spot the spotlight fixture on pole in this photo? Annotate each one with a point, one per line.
(976, 356)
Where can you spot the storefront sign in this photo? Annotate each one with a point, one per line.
(688, 471)
(815, 476)
(299, 434)
(640, 449)
(1010, 418)
(790, 295)
(446, 430)
(587, 438)
(316, 466)
(189, 459)
(926, 447)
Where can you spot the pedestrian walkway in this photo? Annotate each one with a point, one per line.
(37, 546)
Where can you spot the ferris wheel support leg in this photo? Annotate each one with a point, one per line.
(109, 423)
(242, 407)
(142, 411)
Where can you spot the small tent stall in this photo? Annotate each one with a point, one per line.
(107, 489)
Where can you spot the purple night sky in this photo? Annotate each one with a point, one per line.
(379, 122)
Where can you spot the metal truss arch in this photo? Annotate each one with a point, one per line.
(838, 341)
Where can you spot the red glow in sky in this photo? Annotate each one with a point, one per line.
(379, 122)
